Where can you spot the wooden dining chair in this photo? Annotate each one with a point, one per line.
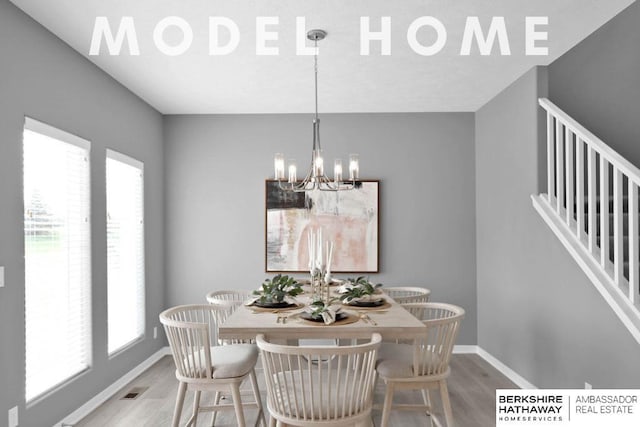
(201, 365)
(408, 294)
(235, 297)
(227, 302)
(319, 386)
(425, 364)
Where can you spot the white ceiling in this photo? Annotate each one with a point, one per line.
(244, 82)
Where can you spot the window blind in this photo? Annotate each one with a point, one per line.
(125, 250)
(57, 244)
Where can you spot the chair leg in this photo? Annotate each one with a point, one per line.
(427, 402)
(446, 404)
(388, 401)
(177, 412)
(272, 422)
(216, 401)
(237, 403)
(256, 395)
(196, 406)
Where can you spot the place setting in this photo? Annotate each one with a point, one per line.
(276, 295)
(361, 294)
(326, 313)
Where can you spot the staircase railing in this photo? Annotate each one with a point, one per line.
(592, 205)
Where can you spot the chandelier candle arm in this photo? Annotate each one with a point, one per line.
(316, 179)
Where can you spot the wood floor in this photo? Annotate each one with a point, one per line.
(472, 388)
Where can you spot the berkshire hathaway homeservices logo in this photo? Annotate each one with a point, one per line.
(576, 408)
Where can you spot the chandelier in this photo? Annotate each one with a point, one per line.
(316, 178)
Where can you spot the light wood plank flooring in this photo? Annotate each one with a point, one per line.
(472, 388)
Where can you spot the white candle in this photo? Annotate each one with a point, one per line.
(312, 251)
(319, 254)
(309, 248)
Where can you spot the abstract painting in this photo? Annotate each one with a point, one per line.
(350, 219)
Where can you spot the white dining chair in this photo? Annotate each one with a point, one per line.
(228, 301)
(425, 364)
(319, 386)
(408, 294)
(201, 365)
(235, 297)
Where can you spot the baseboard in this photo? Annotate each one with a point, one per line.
(465, 349)
(505, 370)
(112, 389)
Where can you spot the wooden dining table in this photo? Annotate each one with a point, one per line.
(392, 322)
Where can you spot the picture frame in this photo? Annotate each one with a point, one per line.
(350, 219)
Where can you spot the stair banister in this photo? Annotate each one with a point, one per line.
(603, 252)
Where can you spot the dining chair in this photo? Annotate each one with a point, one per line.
(424, 364)
(201, 365)
(312, 386)
(408, 294)
(228, 302)
(235, 297)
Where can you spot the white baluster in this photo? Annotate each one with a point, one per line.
(604, 212)
(559, 166)
(591, 199)
(633, 242)
(618, 237)
(579, 188)
(568, 142)
(551, 167)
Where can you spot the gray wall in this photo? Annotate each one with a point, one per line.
(537, 311)
(43, 78)
(598, 83)
(215, 171)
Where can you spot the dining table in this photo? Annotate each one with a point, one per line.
(391, 321)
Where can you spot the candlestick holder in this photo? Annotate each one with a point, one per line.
(320, 287)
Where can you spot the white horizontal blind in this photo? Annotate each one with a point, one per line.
(57, 257)
(125, 250)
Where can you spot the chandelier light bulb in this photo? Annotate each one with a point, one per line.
(337, 171)
(318, 163)
(278, 164)
(354, 167)
(292, 171)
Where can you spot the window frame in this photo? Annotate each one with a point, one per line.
(137, 164)
(60, 135)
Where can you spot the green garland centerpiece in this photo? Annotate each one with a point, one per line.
(276, 290)
(359, 289)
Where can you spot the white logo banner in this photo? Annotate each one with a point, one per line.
(575, 408)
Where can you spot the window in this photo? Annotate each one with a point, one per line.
(57, 247)
(125, 250)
